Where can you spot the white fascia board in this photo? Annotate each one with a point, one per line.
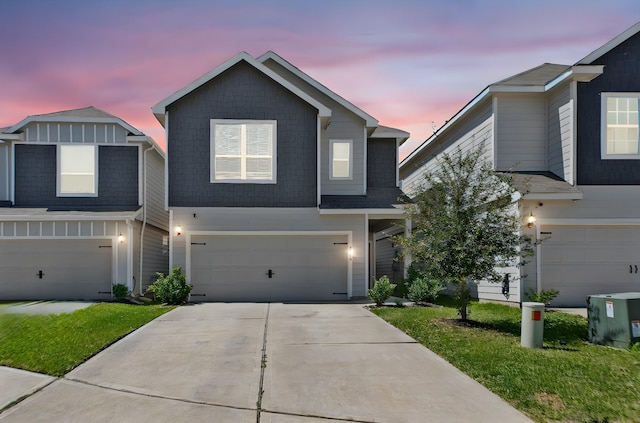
(160, 108)
(71, 119)
(554, 196)
(371, 122)
(596, 54)
(586, 73)
(450, 122)
(147, 139)
(64, 216)
(12, 137)
(394, 213)
(588, 222)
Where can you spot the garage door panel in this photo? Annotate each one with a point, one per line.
(71, 269)
(303, 268)
(580, 261)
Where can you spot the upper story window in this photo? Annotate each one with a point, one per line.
(620, 139)
(77, 170)
(341, 162)
(243, 151)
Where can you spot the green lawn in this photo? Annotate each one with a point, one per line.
(55, 344)
(578, 382)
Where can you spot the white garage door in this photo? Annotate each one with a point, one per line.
(55, 269)
(269, 268)
(586, 260)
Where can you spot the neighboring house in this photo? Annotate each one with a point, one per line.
(81, 207)
(569, 134)
(275, 184)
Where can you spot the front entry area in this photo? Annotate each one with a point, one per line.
(269, 268)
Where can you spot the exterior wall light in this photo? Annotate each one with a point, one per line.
(531, 220)
(350, 252)
(120, 238)
(178, 230)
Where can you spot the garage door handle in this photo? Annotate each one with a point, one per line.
(636, 268)
(270, 273)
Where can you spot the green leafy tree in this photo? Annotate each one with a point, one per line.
(465, 223)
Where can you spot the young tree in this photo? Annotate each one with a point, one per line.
(465, 224)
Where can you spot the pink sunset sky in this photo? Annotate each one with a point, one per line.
(408, 63)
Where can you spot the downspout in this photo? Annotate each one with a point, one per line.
(144, 215)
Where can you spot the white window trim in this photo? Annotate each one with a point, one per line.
(274, 152)
(603, 127)
(331, 144)
(59, 169)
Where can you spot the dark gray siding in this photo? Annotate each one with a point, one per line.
(242, 92)
(621, 74)
(381, 163)
(36, 178)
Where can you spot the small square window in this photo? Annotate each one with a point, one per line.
(341, 162)
(620, 136)
(77, 171)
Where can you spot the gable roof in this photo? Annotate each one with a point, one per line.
(270, 55)
(538, 79)
(86, 114)
(160, 108)
(598, 53)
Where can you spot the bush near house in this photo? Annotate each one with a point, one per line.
(171, 289)
(382, 290)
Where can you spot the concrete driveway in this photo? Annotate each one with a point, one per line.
(274, 363)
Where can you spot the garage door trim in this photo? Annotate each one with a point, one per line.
(348, 234)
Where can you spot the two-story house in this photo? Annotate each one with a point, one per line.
(81, 207)
(275, 184)
(569, 135)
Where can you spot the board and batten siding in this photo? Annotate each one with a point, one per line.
(80, 133)
(560, 133)
(343, 125)
(480, 134)
(5, 172)
(61, 228)
(521, 132)
(272, 219)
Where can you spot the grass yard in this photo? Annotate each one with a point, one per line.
(577, 382)
(55, 344)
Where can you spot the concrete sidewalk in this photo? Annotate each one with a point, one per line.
(275, 363)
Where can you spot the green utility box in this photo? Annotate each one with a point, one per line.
(614, 319)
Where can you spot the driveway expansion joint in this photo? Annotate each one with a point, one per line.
(315, 416)
(156, 396)
(263, 365)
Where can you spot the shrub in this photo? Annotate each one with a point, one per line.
(382, 289)
(120, 291)
(171, 289)
(544, 296)
(423, 290)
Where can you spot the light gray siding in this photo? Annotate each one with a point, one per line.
(561, 133)
(5, 172)
(87, 133)
(477, 133)
(344, 125)
(521, 132)
(154, 204)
